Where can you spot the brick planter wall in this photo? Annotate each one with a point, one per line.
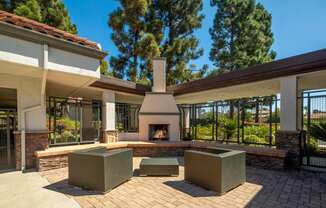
(261, 157)
(33, 142)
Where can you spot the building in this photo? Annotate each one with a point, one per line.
(52, 93)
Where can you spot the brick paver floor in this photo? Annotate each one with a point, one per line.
(264, 188)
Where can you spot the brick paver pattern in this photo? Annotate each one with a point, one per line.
(264, 188)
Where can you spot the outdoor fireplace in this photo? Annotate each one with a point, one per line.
(159, 114)
(158, 132)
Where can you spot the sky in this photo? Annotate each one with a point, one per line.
(299, 26)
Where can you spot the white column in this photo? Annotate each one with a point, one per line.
(108, 117)
(186, 117)
(290, 108)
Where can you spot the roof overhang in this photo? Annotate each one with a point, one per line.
(33, 36)
(305, 63)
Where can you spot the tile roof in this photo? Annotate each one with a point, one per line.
(45, 29)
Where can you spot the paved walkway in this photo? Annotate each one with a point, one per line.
(19, 190)
(264, 188)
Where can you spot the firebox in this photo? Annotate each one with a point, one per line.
(158, 132)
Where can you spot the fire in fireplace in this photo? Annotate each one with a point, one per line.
(158, 131)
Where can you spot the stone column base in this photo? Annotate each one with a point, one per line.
(34, 141)
(109, 136)
(290, 141)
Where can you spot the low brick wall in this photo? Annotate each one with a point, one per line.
(260, 157)
(34, 141)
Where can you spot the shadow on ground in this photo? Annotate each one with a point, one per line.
(190, 189)
(63, 187)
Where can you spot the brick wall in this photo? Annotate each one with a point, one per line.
(258, 160)
(33, 142)
(289, 141)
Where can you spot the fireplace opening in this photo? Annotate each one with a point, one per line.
(158, 132)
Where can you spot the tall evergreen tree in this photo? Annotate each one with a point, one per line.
(143, 29)
(241, 35)
(179, 45)
(51, 12)
(135, 45)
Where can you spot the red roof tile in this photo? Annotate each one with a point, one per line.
(45, 29)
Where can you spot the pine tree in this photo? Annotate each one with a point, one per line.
(29, 9)
(51, 12)
(144, 29)
(135, 45)
(241, 35)
(179, 45)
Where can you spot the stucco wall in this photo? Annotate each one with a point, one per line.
(20, 51)
(68, 62)
(28, 95)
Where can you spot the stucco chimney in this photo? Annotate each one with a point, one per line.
(159, 77)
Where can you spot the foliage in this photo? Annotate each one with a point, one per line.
(50, 12)
(241, 35)
(29, 9)
(261, 131)
(253, 139)
(143, 29)
(104, 68)
(229, 128)
(318, 131)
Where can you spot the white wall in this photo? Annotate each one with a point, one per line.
(126, 136)
(68, 62)
(20, 51)
(28, 95)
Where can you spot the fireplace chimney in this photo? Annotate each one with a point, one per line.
(159, 77)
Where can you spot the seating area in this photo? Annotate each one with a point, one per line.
(263, 188)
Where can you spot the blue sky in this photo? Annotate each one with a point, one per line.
(299, 26)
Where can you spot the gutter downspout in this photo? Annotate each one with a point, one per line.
(33, 108)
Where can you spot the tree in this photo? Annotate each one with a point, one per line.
(143, 29)
(50, 12)
(135, 45)
(29, 9)
(241, 35)
(104, 67)
(179, 45)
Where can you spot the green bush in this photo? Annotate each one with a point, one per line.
(261, 131)
(253, 139)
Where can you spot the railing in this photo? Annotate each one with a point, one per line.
(313, 107)
(251, 121)
(73, 120)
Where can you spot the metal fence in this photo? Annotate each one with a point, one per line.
(251, 121)
(73, 120)
(314, 123)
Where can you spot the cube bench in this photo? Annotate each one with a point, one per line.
(159, 167)
(100, 169)
(216, 169)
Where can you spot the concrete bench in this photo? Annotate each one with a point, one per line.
(159, 167)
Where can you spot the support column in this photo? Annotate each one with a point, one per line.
(289, 106)
(110, 134)
(186, 119)
(288, 137)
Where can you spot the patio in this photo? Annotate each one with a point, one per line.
(264, 188)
